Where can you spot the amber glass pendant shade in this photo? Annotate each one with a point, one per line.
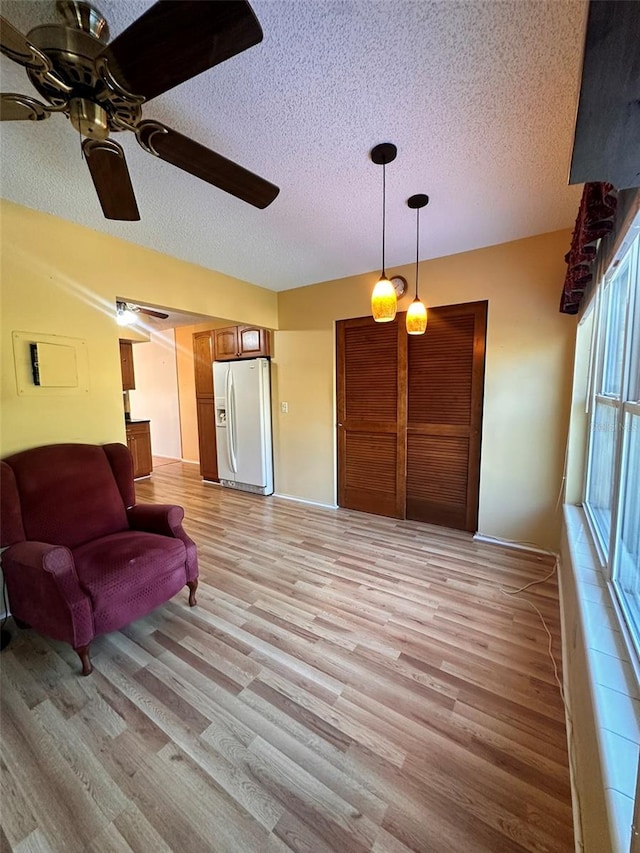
(417, 313)
(384, 302)
(416, 318)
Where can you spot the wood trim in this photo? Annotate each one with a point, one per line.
(401, 424)
(477, 408)
(341, 438)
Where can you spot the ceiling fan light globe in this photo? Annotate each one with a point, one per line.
(89, 118)
(384, 302)
(416, 318)
(125, 317)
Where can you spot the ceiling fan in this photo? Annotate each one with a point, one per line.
(101, 86)
(125, 313)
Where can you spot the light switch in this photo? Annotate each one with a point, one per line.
(284, 408)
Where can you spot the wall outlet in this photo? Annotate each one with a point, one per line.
(284, 408)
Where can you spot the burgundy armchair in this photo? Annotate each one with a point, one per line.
(83, 559)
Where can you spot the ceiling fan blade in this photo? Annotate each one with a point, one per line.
(178, 39)
(205, 164)
(14, 107)
(110, 175)
(14, 45)
(159, 314)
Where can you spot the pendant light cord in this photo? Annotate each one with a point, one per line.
(384, 206)
(417, 245)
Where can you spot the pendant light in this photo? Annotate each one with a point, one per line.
(417, 313)
(384, 302)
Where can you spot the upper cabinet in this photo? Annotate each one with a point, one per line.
(225, 343)
(126, 366)
(233, 342)
(202, 361)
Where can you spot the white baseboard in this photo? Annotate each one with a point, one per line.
(304, 501)
(517, 546)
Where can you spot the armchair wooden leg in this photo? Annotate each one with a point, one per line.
(193, 586)
(83, 654)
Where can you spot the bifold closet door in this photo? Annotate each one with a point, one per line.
(410, 416)
(371, 397)
(444, 417)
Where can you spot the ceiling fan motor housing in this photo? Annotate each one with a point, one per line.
(93, 108)
(83, 16)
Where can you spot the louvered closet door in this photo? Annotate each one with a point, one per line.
(371, 360)
(444, 417)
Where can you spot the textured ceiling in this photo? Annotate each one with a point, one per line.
(479, 97)
(148, 324)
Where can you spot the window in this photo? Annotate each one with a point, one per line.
(612, 486)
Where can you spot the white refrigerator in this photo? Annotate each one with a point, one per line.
(242, 392)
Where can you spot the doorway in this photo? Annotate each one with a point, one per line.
(410, 416)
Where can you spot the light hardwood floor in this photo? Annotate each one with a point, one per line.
(347, 683)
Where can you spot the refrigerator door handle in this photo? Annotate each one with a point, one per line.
(231, 414)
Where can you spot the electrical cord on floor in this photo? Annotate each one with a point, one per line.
(544, 625)
(5, 636)
(569, 719)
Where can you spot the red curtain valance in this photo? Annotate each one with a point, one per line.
(596, 218)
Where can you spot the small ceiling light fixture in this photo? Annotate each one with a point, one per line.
(124, 315)
(417, 313)
(384, 302)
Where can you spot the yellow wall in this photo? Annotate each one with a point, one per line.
(59, 278)
(302, 376)
(62, 279)
(527, 386)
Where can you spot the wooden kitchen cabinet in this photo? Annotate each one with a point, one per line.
(203, 363)
(139, 444)
(233, 342)
(226, 343)
(126, 366)
(203, 369)
(207, 438)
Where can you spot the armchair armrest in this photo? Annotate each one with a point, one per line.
(165, 520)
(44, 591)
